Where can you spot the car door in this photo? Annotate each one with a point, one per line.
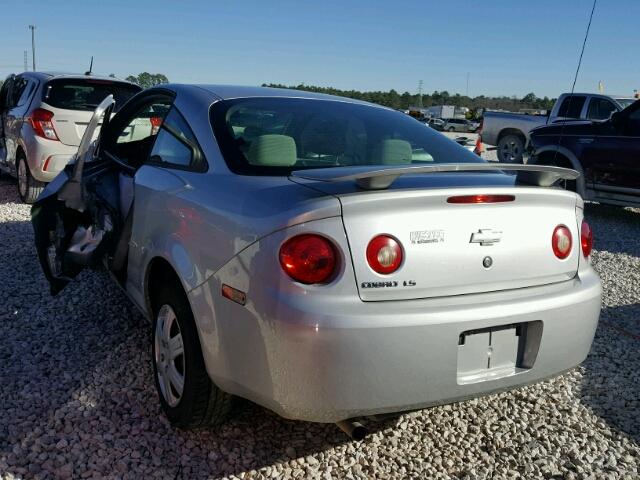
(74, 219)
(84, 216)
(616, 162)
(9, 121)
(4, 102)
(163, 210)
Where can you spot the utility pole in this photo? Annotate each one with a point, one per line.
(33, 45)
(420, 94)
(468, 75)
(26, 65)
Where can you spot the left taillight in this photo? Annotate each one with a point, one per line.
(309, 259)
(42, 122)
(586, 239)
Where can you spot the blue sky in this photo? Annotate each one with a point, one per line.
(509, 47)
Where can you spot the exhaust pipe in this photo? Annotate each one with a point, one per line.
(355, 430)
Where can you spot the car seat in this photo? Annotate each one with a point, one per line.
(393, 151)
(273, 151)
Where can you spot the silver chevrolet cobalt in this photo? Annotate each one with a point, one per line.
(323, 257)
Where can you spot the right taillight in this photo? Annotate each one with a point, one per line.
(42, 122)
(156, 122)
(586, 238)
(309, 258)
(561, 242)
(384, 254)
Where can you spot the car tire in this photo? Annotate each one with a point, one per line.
(28, 187)
(200, 402)
(511, 149)
(452, 129)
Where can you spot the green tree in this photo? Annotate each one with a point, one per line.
(405, 100)
(146, 79)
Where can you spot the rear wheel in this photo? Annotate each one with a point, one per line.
(28, 187)
(187, 395)
(511, 149)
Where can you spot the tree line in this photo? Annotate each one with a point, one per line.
(403, 101)
(392, 98)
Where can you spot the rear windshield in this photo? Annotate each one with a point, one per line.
(274, 136)
(86, 95)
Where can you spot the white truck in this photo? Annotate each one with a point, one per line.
(509, 132)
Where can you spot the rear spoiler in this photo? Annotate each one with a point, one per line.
(371, 177)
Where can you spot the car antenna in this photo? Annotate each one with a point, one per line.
(575, 78)
(88, 72)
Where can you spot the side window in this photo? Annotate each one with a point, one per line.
(145, 124)
(176, 144)
(600, 109)
(132, 142)
(27, 92)
(571, 106)
(16, 91)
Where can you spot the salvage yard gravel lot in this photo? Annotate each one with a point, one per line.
(77, 398)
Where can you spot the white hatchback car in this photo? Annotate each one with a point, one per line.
(42, 119)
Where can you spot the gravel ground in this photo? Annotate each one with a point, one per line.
(77, 398)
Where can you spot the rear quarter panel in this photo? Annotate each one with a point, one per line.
(199, 221)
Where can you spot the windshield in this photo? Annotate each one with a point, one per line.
(86, 95)
(625, 102)
(274, 136)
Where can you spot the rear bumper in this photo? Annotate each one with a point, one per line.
(39, 150)
(324, 363)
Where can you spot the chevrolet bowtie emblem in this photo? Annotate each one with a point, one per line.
(486, 236)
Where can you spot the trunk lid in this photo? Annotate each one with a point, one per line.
(70, 125)
(446, 246)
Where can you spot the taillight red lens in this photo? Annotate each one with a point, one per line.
(561, 242)
(42, 122)
(481, 199)
(156, 122)
(308, 258)
(384, 254)
(586, 238)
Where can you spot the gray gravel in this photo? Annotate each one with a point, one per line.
(77, 398)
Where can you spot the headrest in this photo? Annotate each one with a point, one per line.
(273, 151)
(393, 152)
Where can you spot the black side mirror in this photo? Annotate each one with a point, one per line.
(616, 120)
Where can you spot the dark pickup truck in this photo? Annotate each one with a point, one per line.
(606, 152)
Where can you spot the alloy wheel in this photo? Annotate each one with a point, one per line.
(169, 355)
(510, 151)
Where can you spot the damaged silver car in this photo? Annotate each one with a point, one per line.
(326, 258)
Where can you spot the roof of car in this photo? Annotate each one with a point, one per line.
(72, 76)
(226, 92)
(603, 95)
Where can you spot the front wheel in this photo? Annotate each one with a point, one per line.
(28, 187)
(511, 149)
(452, 129)
(187, 395)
